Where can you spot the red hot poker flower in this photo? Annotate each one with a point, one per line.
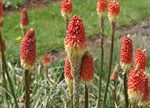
(126, 53)
(3, 46)
(145, 96)
(47, 60)
(75, 37)
(68, 76)
(66, 7)
(24, 20)
(140, 59)
(113, 11)
(1, 9)
(67, 70)
(28, 49)
(101, 7)
(87, 69)
(135, 85)
(75, 41)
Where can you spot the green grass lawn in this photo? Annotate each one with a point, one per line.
(50, 26)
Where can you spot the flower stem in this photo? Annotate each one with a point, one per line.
(86, 97)
(76, 85)
(67, 21)
(7, 73)
(110, 63)
(46, 72)
(102, 58)
(24, 31)
(27, 89)
(76, 82)
(125, 89)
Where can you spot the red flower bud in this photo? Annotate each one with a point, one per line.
(24, 20)
(114, 74)
(87, 69)
(145, 96)
(126, 53)
(28, 49)
(135, 85)
(75, 41)
(68, 76)
(140, 59)
(67, 70)
(101, 7)
(66, 7)
(47, 60)
(3, 46)
(113, 11)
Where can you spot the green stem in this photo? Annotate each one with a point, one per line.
(102, 59)
(46, 72)
(71, 102)
(110, 63)
(125, 90)
(27, 89)
(76, 82)
(24, 31)
(7, 73)
(67, 22)
(86, 97)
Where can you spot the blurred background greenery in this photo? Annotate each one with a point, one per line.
(50, 26)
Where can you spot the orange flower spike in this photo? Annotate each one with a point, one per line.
(101, 7)
(66, 7)
(87, 69)
(140, 58)
(75, 41)
(68, 76)
(47, 60)
(3, 45)
(1, 15)
(67, 70)
(75, 37)
(28, 49)
(24, 20)
(135, 85)
(113, 11)
(126, 53)
(145, 96)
